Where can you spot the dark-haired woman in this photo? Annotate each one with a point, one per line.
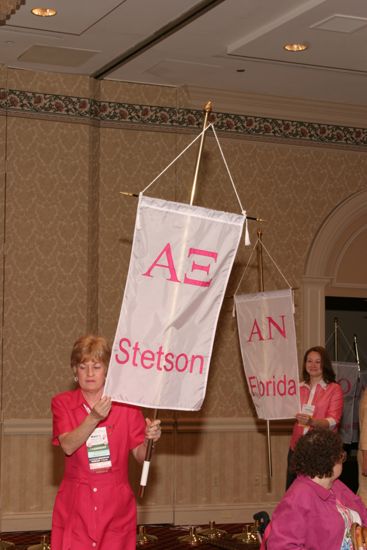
(318, 510)
(321, 399)
(95, 506)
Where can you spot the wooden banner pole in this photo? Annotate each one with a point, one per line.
(261, 288)
(150, 446)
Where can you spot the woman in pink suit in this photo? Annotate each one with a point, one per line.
(321, 399)
(95, 507)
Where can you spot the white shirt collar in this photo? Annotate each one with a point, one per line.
(322, 383)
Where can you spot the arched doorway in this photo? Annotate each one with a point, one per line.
(336, 264)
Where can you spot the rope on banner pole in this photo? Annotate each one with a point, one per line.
(247, 236)
(228, 171)
(201, 136)
(271, 258)
(243, 274)
(176, 158)
(278, 268)
(335, 334)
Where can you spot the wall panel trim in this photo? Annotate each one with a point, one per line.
(25, 426)
(179, 515)
(30, 521)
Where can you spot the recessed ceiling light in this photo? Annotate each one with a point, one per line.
(44, 12)
(296, 47)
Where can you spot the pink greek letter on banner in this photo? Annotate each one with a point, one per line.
(180, 263)
(268, 346)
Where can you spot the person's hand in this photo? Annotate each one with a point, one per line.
(153, 429)
(102, 408)
(303, 419)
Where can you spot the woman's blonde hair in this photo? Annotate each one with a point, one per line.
(90, 348)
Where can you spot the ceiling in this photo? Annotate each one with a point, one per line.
(231, 45)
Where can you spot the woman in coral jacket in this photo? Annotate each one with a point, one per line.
(321, 399)
(318, 511)
(95, 507)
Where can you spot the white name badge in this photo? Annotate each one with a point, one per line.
(308, 409)
(98, 449)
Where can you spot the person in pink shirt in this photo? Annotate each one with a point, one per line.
(321, 399)
(318, 511)
(362, 451)
(95, 506)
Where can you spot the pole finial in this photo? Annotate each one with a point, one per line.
(208, 107)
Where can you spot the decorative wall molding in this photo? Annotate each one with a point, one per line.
(246, 424)
(43, 427)
(169, 118)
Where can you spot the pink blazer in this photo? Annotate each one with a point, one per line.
(307, 517)
(328, 402)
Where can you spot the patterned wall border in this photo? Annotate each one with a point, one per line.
(34, 103)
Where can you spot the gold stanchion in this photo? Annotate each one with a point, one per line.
(44, 545)
(249, 534)
(193, 539)
(143, 537)
(212, 532)
(5, 545)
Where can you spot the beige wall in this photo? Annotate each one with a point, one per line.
(67, 244)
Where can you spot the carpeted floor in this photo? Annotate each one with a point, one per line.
(167, 538)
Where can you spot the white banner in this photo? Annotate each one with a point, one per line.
(269, 354)
(180, 263)
(347, 374)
